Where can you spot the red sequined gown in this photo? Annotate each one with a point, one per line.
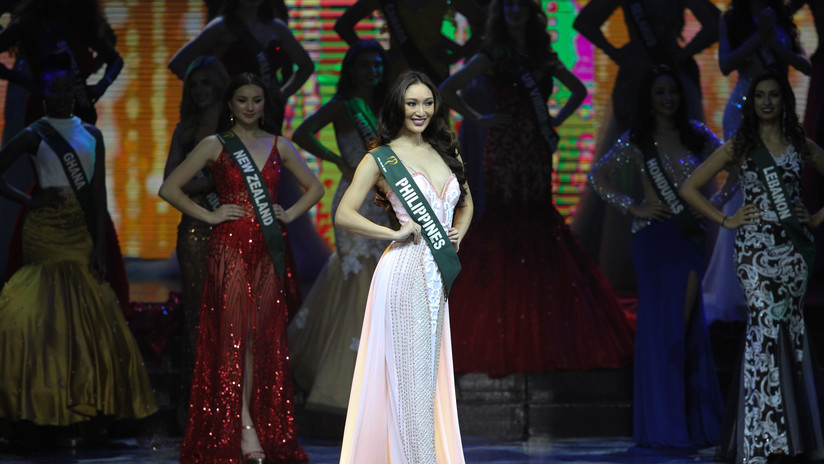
(529, 298)
(243, 302)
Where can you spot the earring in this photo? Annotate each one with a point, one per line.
(231, 118)
(261, 119)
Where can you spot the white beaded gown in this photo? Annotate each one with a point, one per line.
(402, 405)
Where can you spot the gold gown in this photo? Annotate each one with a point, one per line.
(66, 352)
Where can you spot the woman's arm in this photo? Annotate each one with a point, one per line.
(579, 92)
(202, 44)
(348, 217)
(114, 64)
(691, 190)
(305, 177)
(298, 56)
(345, 25)
(305, 134)
(796, 59)
(462, 219)
(707, 14)
(101, 206)
(451, 87)
(730, 59)
(817, 162)
(10, 36)
(205, 153)
(26, 141)
(589, 22)
(202, 182)
(620, 155)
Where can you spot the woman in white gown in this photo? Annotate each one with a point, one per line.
(402, 403)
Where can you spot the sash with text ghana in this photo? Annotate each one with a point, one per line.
(80, 184)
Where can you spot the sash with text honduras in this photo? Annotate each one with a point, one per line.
(363, 118)
(418, 208)
(770, 176)
(259, 197)
(532, 92)
(666, 191)
(415, 58)
(71, 166)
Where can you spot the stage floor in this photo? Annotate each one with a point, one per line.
(534, 451)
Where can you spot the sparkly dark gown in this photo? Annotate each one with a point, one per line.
(529, 298)
(243, 302)
(778, 403)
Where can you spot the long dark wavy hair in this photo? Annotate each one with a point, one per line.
(747, 139)
(217, 77)
(740, 24)
(270, 115)
(346, 83)
(499, 44)
(643, 124)
(392, 117)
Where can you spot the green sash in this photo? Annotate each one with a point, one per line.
(418, 208)
(81, 185)
(259, 196)
(780, 199)
(363, 118)
(666, 191)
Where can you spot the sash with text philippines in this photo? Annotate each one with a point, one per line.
(421, 212)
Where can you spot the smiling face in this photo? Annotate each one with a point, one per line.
(664, 96)
(768, 102)
(419, 106)
(201, 90)
(247, 104)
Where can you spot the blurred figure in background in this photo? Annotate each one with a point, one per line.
(655, 30)
(756, 36)
(677, 400)
(203, 88)
(249, 37)
(323, 337)
(529, 298)
(68, 356)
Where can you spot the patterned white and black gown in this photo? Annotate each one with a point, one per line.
(777, 406)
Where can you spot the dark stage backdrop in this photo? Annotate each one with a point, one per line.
(139, 111)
